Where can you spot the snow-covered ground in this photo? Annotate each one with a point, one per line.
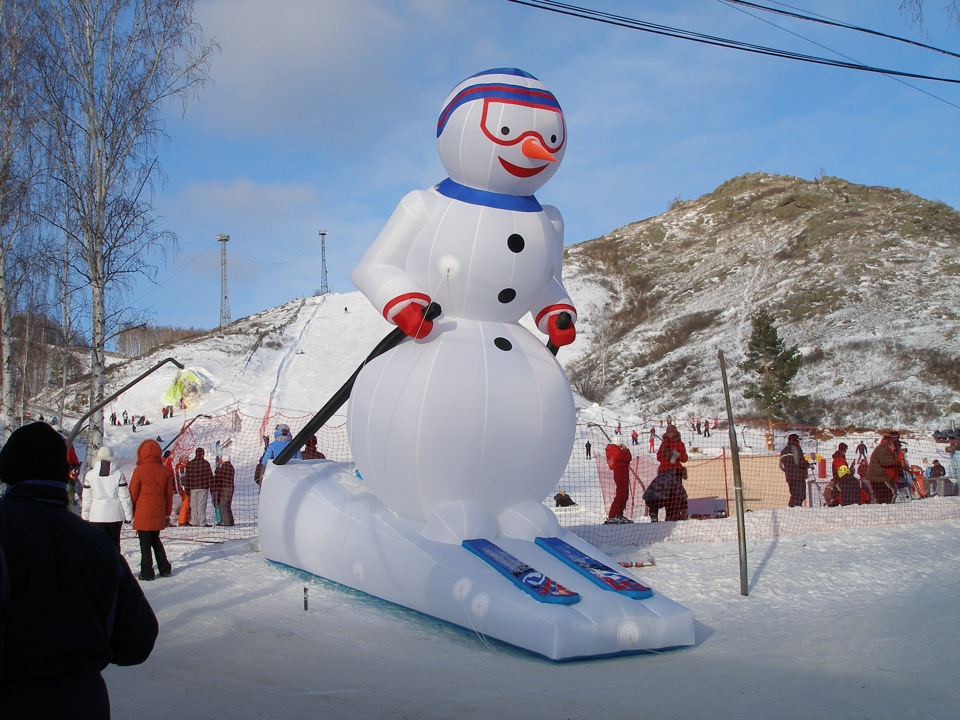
(860, 623)
(840, 622)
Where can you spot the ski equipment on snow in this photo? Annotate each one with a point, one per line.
(593, 569)
(530, 580)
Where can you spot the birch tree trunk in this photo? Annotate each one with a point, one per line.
(108, 67)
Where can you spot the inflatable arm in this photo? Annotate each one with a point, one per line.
(381, 274)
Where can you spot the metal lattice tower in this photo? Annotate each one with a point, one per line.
(224, 292)
(324, 287)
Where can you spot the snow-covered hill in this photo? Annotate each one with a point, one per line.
(864, 280)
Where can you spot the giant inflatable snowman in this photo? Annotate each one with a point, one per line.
(475, 416)
(461, 430)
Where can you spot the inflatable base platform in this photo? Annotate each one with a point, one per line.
(529, 584)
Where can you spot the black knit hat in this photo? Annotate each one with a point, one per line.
(34, 452)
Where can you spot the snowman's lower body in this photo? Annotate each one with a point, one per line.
(315, 515)
(477, 417)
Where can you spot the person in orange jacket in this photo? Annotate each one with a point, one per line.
(151, 489)
(618, 460)
(183, 517)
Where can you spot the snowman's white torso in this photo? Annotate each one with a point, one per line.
(479, 410)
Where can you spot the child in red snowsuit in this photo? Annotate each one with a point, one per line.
(618, 460)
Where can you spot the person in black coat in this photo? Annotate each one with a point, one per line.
(667, 491)
(795, 470)
(69, 604)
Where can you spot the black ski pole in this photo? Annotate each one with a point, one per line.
(391, 340)
(563, 322)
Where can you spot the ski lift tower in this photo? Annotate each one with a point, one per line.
(324, 287)
(224, 293)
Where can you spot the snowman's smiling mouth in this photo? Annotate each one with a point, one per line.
(518, 171)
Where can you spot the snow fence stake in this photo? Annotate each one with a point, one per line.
(737, 479)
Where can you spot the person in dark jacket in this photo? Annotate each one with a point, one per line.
(885, 467)
(198, 478)
(936, 472)
(667, 491)
(795, 470)
(151, 489)
(71, 603)
(310, 451)
(223, 481)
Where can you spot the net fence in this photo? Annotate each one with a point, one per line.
(588, 482)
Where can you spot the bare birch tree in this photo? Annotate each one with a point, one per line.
(108, 67)
(18, 172)
(913, 9)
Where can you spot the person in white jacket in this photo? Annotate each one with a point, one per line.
(106, 498)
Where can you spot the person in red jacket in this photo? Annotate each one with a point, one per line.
(151, 489)
(672, 452)
(618, 460)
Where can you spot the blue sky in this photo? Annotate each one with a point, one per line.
(322, 113)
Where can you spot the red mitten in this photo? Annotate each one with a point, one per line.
(412, 322)
(561, 336)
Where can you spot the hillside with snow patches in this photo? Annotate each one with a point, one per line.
(864, 280)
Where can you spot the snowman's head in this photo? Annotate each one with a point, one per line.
(501, 130)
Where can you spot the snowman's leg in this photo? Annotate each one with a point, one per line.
(459, 520)
(528, 519)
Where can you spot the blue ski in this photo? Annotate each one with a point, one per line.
(594, 570)
(531, 581)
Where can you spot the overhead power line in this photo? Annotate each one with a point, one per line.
(667, 31)
(836, 23)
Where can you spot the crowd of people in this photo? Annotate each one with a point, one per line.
(666, 491)
(882, 478)
(882, 475)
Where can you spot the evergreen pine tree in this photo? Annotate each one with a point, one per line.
(772, 364)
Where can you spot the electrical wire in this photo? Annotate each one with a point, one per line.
(702, 38)
(836, 23)
(822, 19)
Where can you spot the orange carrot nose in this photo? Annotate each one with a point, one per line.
(532, 148)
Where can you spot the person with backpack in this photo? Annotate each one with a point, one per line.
(795, 468)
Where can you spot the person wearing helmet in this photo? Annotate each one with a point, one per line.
(847, 486)
(281, 438)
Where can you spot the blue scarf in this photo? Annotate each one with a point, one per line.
(500, 201)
